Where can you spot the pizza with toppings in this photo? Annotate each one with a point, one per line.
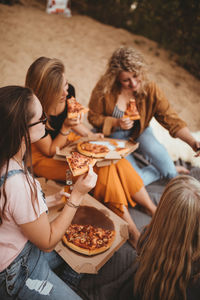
(88, 239)
(91, 149)
(79, 163)
(131, 111)
(99, 149)
(74, 108)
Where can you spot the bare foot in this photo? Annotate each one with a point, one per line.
(133, 239)
(182, 170)
(149, 211)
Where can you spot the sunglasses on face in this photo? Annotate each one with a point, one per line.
(43, 120)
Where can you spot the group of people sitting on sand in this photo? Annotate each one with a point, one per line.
(34, 122)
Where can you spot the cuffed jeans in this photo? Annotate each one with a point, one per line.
(160, 163)
(30, 276)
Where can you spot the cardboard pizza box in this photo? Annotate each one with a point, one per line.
(111, 157)
(91, 264)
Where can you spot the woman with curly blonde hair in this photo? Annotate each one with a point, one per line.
(125, 79)
(169, 248)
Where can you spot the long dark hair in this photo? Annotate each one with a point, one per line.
(15, 115)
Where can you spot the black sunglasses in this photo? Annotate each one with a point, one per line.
(43, 120)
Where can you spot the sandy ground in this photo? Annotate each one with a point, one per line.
(84, 45)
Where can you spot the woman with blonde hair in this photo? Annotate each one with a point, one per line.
(169, 249)
(117, 184)
(125, 79)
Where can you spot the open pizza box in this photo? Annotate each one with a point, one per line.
(79, 262)
(111, 157)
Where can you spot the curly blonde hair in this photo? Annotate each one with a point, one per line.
(171, 243)
(123, 59)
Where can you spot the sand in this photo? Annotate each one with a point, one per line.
(84, 45)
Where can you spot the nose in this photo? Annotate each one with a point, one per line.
(133, 82)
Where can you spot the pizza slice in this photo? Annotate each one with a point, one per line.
(79, 163)
(74, 108)
(131, 111)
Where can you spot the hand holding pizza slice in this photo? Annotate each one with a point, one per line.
(79, 164)
(74, 108)
(131, 111)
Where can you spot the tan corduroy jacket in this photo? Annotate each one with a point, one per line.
(153, 104)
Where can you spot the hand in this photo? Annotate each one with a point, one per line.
(85, 182)
(196, 148)
(96, 135)
(56, 199)
(126, 123)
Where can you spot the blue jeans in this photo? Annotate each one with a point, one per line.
(30, 276)
(160, 163)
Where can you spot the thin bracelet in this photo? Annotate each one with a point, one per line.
(71, 204)
(64, 133)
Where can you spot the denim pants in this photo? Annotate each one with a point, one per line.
(160, 163)
(31, 276)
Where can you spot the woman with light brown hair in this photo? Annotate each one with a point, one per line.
(117, 184)
(169, 249)
(124, 79)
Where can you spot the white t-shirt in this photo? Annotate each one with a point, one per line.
(18, 210)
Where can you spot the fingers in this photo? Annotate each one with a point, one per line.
(97, 135)
(196, 148)
(81, 116)
(86, 182)
(100, 135)
(126, 123)
(62, 193)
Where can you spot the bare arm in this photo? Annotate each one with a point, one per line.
(83, 130)
(46, 235)
(47, 146)
(185, 135)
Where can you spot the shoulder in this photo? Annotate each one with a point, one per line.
(151, 87)
(17, 182)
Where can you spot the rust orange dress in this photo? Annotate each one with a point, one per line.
(116, 183)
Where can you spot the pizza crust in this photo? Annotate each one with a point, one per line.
(133, 118)
(122, 150)
(87, 251)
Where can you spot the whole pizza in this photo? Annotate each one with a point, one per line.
(91, 232)
(99, 149)
(87, 239)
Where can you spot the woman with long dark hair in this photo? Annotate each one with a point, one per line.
(27, 238)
